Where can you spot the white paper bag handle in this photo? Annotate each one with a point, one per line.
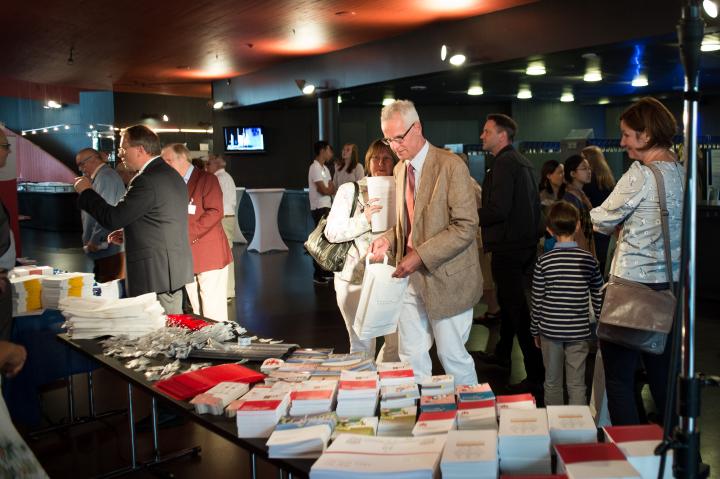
(367, 260)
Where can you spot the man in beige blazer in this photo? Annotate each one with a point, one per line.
(435, 246)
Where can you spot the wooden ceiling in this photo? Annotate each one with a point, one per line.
(178, 47)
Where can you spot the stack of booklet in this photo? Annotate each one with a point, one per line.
(364, 426)
(515, 401)
(301, 442)
(470, 455)
(477, 415)
(214, 400)
(571, 425)
(93, 317)
(393, 374)
(524, 441)
(397, 421)
(233, 406)
(26, 293)
(594, 461)
(19, 271)
(638, 444)
(442, 402)
(357, 394)
(261, 411)
(313, 397)
(437, 385)
(65, 285)
(476, 392)
(362, 457)
(439, 422)
(401, 395)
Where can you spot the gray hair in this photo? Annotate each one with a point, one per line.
(404, 108)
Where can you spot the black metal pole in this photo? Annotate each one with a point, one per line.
(686, 436)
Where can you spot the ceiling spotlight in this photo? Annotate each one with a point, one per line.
(34, 132)
(217, 105)
(165, 118)
(710, 43)
(524, 92)
(593, 72)
(457, 59)
(339, 99)
(305, 87)
(24, 133)
(388, 100)
(443, 52)
(711, 8)
(604, 101)
(53, 104)
(67, 127)
(536, 68)
(567, 96)
(44, 130)
(639, 80)
(55, 128)
(475, 90)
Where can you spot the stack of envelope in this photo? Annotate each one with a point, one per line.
(26, 293)
(524, 441)
(470, 455)
(94, 317)
(66, 285)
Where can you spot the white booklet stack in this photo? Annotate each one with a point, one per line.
(392, 374)
(260, 412)
(302, 442)
(357, 394)
(437, 385)
(313, 397)
(362, 457)
(214, 400)
(638, 444)
(477, 415)
(438, 422)
(571, 425)
(524, 441)
(594, 461)
(26, 292)
(400, 395)
(397, 421)
(66, 285)
(365, 426)
(515, 401)
(470, 455)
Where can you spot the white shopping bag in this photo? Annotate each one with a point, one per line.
(381, 299)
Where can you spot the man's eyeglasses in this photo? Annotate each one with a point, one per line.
(398, 139)
(82, 162)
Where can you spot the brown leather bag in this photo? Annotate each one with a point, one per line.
(633, 314)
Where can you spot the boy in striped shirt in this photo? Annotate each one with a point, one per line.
(566, 280)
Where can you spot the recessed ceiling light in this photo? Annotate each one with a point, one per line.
(710, 43)
(443, 52)
(536, 68)
(457, 59)
(603, 101)
(593, 76)
(710, 8)
(639, 81)
(388, 100)
(524, 92)
(165, 118)
(567, 96)
(593, 72)
(308, 89)
(475, 90)
(67, 127)
(217, 105)
(339, 99)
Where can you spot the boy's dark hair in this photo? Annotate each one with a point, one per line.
(320, 146)
(562, 218)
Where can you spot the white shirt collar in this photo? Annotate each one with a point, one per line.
(419, 160)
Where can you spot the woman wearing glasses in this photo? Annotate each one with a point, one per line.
(577, 175)
(379, 161)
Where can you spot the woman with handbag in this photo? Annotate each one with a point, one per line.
(641, 264)
(343, 226)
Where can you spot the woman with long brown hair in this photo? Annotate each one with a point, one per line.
(348, 168)
(601, 184)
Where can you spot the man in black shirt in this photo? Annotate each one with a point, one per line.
(509, 220)
(7, 256)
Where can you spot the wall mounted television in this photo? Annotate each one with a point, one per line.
(244, 139)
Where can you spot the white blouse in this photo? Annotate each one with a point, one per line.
(634, 203)
(341, 227)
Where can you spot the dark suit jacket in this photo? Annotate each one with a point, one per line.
(210, 249)
(154, 214)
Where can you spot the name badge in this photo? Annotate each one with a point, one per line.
(191, 209)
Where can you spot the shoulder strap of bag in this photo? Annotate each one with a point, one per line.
(355, 199)
(664, 214)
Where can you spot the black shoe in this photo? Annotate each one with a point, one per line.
(525, 386)
(491, 359)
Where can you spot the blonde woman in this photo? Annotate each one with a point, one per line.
(380, 161)
(601, 184)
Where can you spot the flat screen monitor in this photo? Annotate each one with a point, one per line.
(244, 139)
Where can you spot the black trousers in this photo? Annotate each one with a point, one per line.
(316, 215)
(512, 271)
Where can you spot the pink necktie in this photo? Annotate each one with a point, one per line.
(410, 204)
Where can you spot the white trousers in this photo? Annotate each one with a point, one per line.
(228, 224)
(212, 286)
(416, 334)
(348, 297)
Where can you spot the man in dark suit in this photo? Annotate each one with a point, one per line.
(151, 219)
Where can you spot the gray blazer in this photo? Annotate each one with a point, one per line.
(153, 214)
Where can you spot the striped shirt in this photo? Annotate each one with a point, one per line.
(566, 278)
